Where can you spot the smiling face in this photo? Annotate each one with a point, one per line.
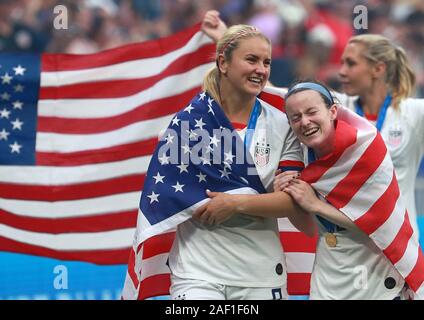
(311, 120)
(356, 72)
(248, 69)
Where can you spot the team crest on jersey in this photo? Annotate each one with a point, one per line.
(262, 151)
(395, 136)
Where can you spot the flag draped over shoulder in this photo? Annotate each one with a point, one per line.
(200, 150)
(358, 178)
(168, 200)
(76, 136)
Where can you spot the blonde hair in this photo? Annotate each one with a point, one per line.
(225, 47)
(399, 74)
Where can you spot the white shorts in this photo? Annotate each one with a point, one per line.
(192, 289)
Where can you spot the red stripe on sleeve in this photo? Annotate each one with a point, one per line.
(291, 163)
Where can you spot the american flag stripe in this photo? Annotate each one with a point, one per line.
(295, 241)
(112, 154)
(299, 262)
(105, 240)
(400, 242)
(76, 208)
(93, 146)
(67, 175)
(122, 88)
(152, 110)
(64, 143)
(101, 108)
(379, 190)
(381, 210)
(166, 51)
(104, 222)
(77, 191)
(346, 188)
(106, 257)
(416, 277)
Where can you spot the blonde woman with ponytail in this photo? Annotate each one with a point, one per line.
(378, 81)
(241, 257)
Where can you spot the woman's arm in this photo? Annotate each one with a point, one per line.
(306, 198)
(213, 26)
(270, 205)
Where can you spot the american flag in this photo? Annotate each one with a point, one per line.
(76, 137)
(170, 182)
(358, 178)
(77, 133)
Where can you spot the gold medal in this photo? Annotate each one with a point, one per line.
(330, 239)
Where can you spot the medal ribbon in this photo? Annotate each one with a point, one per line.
(254, 115)
(381, 114)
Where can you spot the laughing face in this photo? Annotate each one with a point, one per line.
(312, 121)
(248, 70)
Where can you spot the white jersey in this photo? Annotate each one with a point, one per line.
(244, 251)
(354, 269)
(403, 133)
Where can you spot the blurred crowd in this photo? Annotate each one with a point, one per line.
(308, 35)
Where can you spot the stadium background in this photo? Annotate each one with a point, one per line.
(305, 43)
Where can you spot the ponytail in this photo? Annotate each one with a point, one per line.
(402, 81)
(211, 84)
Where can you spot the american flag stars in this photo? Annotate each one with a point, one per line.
(15, 147)
(17, 124)
(6, 79)
(4, 134)
(158, 178)
(153, 197)
(11, 118)
(19, 70)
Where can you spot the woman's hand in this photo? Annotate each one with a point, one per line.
(304, 195)
(213, 26)
(282, 180)
(220, 208)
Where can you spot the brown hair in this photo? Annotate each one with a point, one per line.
(399, 74)
(225, 47)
